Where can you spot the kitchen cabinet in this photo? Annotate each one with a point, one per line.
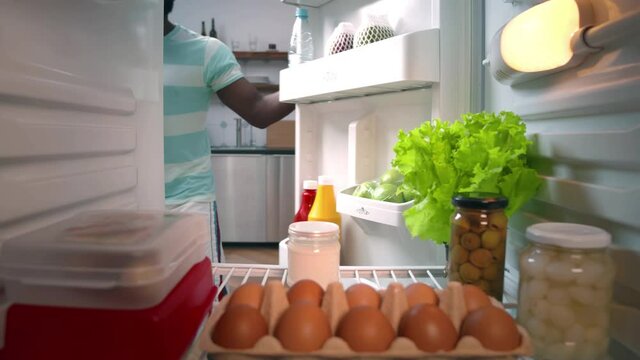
(254, 194)
(260, 55)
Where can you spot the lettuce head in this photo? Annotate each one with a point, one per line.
(481, 152)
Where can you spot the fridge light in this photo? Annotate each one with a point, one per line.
(553, 36)
(546, 38)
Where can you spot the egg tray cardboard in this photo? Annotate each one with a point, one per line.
(334, 304)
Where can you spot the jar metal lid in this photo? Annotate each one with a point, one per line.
(480, 200)
(313, 229)
(568, 235)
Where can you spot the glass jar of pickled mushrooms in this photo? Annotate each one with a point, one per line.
(478, 241)
(566, 281)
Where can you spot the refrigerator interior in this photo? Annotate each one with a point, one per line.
(81, 131)
(583, 123)
(351, 106)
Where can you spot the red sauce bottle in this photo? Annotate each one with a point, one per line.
(308, 196)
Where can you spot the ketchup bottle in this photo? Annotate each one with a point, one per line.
(308, 196)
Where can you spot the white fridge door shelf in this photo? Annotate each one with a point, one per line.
(382, 212)
(403, 62)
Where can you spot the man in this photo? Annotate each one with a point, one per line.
(196, 67)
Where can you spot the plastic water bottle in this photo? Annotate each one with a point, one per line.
(301, 45)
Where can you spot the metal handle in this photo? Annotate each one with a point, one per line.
(238, 132)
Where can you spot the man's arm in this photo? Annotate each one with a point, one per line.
(258, 109)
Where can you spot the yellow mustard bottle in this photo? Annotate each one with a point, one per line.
(324, 206)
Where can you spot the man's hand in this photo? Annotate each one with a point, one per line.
(256, 108)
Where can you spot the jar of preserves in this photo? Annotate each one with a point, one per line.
(478, 241)
(566, 281)
(313, 252)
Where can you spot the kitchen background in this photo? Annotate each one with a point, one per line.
(239, 23)
(255, 184)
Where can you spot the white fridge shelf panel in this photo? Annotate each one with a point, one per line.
(403, 62)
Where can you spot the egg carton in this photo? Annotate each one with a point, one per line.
(335, 305)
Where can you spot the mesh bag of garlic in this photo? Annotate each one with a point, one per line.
(268, 321)
(341, 38)
(373, 28)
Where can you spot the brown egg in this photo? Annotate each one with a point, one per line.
(362, 295)
(249, 294)
(303, 327)
(365, 328)
(493, 327)
(474, 297)
(429, 328)
(305, 291)
(420, 293)
(239, 327)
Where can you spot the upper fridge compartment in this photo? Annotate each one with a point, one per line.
(403, 62)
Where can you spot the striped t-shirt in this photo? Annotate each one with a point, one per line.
(194, 68)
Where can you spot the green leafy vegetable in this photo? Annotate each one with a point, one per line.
(391, 176)
(365, 190)
(481, 152)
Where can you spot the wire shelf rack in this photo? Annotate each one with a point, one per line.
(230, 276)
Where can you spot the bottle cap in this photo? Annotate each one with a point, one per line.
(310, 184)
(301, 12)
(325, 180)
(480, 200)
(570, 236)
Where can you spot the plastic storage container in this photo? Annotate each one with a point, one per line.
(382, 220)
(566, 281)
(478, 241)
(313, 252)
(106, 284)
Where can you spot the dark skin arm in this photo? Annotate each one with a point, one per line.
(245, 100)
(256, 108)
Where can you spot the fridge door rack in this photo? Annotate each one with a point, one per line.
(379, 277)
(409, 61)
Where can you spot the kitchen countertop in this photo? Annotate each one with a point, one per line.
(253, 151)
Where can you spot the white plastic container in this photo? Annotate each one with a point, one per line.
(103, 259)
(381, 221)
(382, 212)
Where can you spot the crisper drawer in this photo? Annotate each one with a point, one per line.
(241, 196)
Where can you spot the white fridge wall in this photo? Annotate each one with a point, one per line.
(585, 127)
(323, 149)
(80, 109)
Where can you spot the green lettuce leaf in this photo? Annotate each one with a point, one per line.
(480, 152)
